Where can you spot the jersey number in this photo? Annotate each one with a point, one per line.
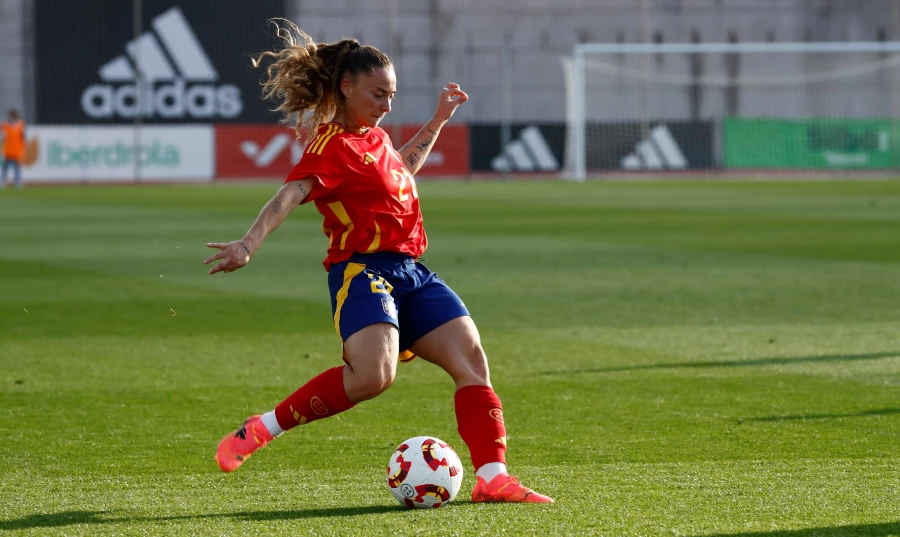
(402, 177)
(380, 285)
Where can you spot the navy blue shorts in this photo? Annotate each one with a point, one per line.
(387, 287)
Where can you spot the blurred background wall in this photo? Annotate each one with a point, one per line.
(479, 42)
(466, 40)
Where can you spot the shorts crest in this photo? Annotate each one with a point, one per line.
(387, 304)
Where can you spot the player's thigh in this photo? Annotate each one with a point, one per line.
(365, 316)
(360, 297)
(430, 305)
(455, 347)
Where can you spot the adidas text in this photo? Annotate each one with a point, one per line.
(163, 100)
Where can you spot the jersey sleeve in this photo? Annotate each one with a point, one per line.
(323, 162)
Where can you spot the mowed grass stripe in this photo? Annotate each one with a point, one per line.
(675, 358)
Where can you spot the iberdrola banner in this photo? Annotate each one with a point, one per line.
(82, 153)
(811, 144)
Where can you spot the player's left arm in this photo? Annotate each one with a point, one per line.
(416, 150)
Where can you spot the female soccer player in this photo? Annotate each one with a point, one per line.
(387, 306)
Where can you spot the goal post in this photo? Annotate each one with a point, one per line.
(759, 106)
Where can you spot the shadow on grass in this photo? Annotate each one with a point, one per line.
(69, 518)
(53, 520)
(859, 530)
(735, 363)
(864, 413)
(284, 515)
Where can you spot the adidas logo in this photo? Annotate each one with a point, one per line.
(153, 75)
(264, 156)
(529, 153)
(659, 151)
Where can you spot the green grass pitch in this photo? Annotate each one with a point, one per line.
(675, 358)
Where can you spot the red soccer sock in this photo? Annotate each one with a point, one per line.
(321, 397)
(479, 416)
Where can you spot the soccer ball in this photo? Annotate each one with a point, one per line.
(424, 472)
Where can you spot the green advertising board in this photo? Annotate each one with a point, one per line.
(816, 144)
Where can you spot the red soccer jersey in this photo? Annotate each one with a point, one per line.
(366, 194)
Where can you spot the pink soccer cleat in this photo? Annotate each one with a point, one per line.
(504, 488)
(237, 447)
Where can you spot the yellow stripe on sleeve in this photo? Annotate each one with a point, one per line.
(349, 273)
(328, 136)
(312, 143)
(318, 141)
(339, 211)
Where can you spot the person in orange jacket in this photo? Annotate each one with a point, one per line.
(13, 147)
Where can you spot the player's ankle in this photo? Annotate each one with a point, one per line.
(271, 424)
(491, 470)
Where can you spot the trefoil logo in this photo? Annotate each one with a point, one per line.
(177, 79)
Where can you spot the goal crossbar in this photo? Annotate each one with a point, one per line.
(735, 48)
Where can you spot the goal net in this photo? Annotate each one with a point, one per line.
(816, 107)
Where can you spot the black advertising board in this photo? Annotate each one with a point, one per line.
(630, 146)
(650, 146)
(189, 61)
(532, 147)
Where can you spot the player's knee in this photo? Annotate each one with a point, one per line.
(376, 381)
(477, 363)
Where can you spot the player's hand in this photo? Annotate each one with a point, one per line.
(450, 98)
(232, 256)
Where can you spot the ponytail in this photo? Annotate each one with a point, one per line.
(305, 77)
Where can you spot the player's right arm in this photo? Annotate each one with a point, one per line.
(235, 254)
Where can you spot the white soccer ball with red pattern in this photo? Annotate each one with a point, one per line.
(424, 472)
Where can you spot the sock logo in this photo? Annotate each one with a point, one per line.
(318, 406)
(297, 417)
(497, 414)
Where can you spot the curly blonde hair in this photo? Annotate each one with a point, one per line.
(305, 76)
